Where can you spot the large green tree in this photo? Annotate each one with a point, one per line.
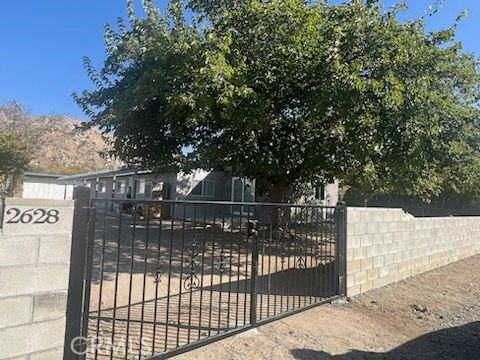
(291, 92)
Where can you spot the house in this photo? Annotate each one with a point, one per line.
(167, 184)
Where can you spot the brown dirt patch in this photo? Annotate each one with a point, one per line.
(432, 316)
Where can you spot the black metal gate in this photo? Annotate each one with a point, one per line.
(161, 278)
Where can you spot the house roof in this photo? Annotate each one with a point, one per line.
(111, 172)
(43, 175)
(123, 171)
(95, 174)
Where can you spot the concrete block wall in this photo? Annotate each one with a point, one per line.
(388, 245)
(34, 273)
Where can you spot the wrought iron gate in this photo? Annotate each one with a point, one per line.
(161, 278)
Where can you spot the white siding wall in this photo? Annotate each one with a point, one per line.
(69, 192)
(331, 195)
(42, 188)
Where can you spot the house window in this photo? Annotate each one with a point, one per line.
(102, 187)
(121, 186)
(203, 188)
(148, 189)
(140, 186)
(320, 192)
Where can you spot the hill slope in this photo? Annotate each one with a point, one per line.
(58, 146)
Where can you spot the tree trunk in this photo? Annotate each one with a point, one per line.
(276, 194)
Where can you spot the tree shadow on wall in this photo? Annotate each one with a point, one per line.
(459, 343)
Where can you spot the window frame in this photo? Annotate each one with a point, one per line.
(196, 183)
(149, 185)
(138, 190)
(102, 186)
(320, 192)
(122, 183)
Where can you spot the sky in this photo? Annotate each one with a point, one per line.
(42, 44)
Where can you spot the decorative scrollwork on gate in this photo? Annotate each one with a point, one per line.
(157, 273)
(283, 254)
(222, 262)
(300, 262)
(192, 263)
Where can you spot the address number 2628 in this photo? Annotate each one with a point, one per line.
(32, 216)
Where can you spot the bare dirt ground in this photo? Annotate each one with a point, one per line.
(431, 316)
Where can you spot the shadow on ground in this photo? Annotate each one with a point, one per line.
(459, 343)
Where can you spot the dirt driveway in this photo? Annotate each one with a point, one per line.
(432, 316)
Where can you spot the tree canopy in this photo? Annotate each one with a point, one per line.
(291, 92)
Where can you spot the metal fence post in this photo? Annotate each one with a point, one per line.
(341, 248)
(2, 208)
(88, 270)
(253, 283)
(77, 269)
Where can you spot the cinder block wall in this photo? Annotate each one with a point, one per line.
(388, 245)
(34, 273)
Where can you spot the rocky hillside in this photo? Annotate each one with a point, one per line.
(58, 145)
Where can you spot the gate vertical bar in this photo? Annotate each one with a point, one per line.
(253, 281)
(2, 208)
(77, 268)
(341, 248)
(88, 272)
